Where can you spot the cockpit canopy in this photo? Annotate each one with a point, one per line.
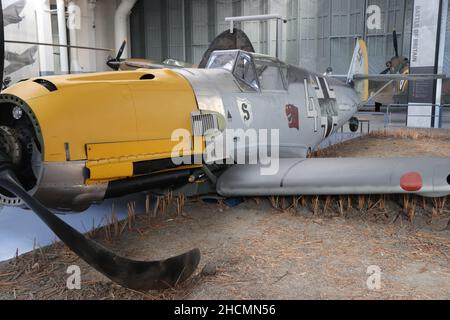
(254, 72)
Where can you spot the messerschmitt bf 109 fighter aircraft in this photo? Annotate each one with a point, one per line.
(67, 142)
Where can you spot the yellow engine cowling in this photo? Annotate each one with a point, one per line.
(104, 122)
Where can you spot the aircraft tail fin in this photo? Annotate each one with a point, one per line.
(360, 66)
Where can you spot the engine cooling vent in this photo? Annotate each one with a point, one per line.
(203, 122)
(50, 86)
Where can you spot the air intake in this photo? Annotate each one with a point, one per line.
(46, 84)
(202, 123)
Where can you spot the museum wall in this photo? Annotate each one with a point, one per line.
(319, 33)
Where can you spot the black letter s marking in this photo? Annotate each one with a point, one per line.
(245, 111)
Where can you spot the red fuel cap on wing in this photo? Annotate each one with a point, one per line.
(411, 182)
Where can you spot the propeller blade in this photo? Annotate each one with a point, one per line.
(115, 63)
(2, 47)
(395, 43)
(136, 275)
(121, 50)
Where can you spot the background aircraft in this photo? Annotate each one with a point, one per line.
(224, 41)
(11, 14)
(19, 61)
(118, 63)
(397, 92)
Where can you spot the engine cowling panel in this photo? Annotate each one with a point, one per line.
(90, 130)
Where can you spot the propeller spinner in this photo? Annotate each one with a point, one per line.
(115, 63)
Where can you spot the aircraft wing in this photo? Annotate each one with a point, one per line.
(143, 65)
(340, 176)
(11, 56)
(13, 67)
(391, 77)
(398, 77)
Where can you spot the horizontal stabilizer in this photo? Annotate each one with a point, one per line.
(341, 176)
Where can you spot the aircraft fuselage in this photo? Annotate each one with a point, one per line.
(305, 107)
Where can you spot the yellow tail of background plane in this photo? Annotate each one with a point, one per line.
(360, 65)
